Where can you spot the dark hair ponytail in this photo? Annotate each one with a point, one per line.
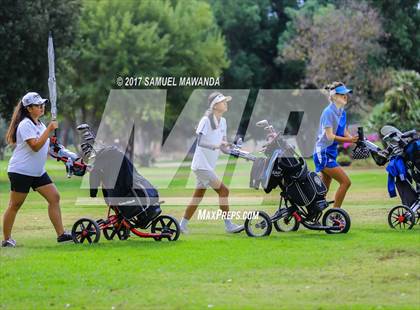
(19, 114)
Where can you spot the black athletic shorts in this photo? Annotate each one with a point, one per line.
(21, 183)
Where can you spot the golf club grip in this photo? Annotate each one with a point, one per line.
(360, 133)
(54, 119)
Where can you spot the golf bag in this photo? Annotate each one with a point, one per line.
(412, 158)
(408, 193)
(403, 154)
(290, 172)
(123, 187)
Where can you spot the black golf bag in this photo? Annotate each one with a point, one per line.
(299, 186)
(408, 193)
(412, 159)
(123, 187)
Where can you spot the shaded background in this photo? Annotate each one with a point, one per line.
(371, 45)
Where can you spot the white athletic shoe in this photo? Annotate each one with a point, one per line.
(233, 228)
(184, 229)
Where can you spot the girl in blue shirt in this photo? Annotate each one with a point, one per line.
(333, 130)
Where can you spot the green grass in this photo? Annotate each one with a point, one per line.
(370, 267)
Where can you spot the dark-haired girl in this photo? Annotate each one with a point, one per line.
(333, 130)
(211, 133)
(27, 165)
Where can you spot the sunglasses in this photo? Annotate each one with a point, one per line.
(38, 105)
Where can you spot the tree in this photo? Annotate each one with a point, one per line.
(24, 36)
(401, 107)
(337, 43)
(401, 20)
(141, 38)
(3, 144)
(251, 29)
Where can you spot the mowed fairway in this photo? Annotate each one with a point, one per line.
(370, 267)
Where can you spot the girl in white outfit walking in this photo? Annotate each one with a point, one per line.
(211, 132)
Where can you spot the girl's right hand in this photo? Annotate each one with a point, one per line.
(52, 126)
(354, 139)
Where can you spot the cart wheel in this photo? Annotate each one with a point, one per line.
(286, 223)
(259, 226)
(118, 230)
(166, 224)
(336, 217)
(401, 217)
(85, 229)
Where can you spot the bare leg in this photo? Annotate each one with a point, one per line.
(223, 193)
(326, 179)
(341, 177)
(198, 195)
(15, 202)
(195, 201)
(50, 193)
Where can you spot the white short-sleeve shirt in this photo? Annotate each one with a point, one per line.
(24, 160)
(204, 158)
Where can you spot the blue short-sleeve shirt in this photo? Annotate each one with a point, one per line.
(336, 119)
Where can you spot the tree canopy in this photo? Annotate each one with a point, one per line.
(251, 29)
(142, 38)
(337, 43)
(401, 106)
(401, 20)
(251, 44)
(24, 36)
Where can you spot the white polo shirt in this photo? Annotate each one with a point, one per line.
(24, 160)
(204, 158)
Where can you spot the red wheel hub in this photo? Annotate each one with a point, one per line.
(401, 218)
(338, 223)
